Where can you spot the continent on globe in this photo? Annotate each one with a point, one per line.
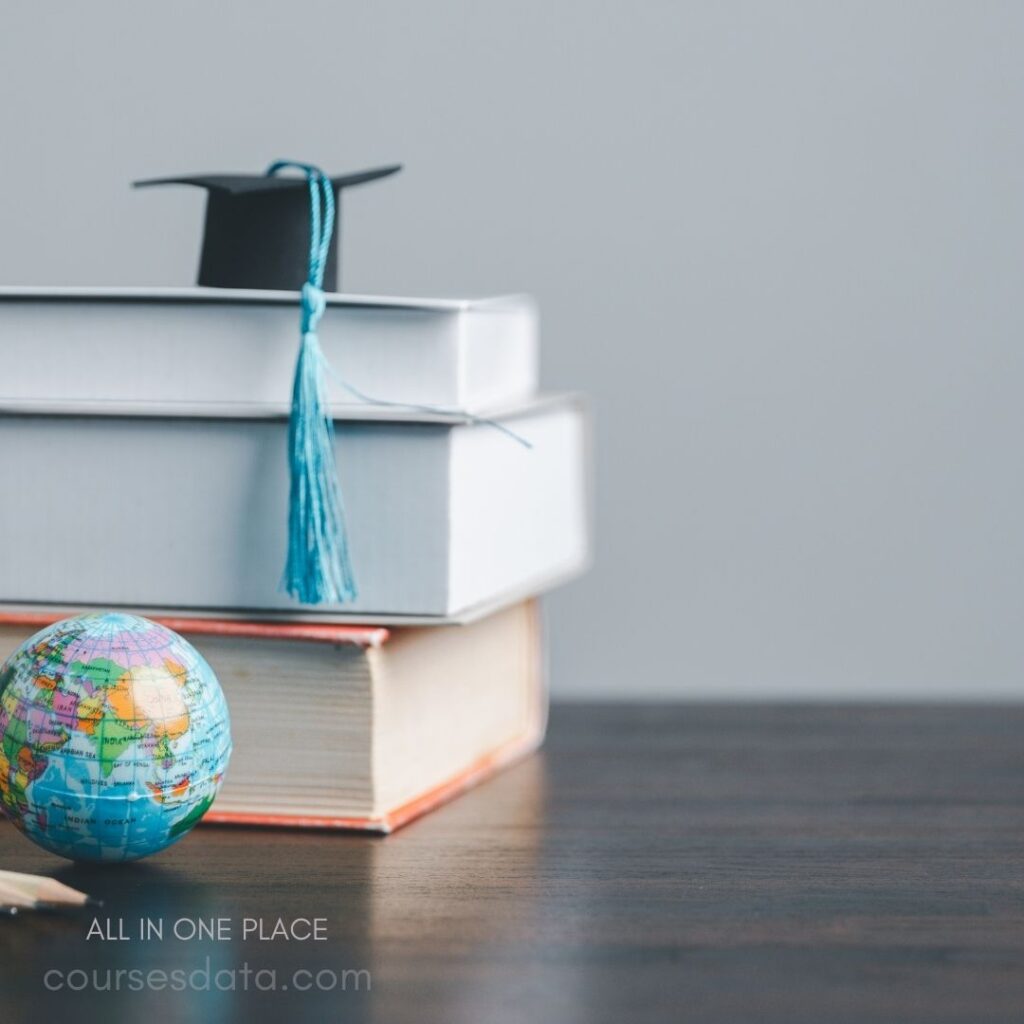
(114, 737)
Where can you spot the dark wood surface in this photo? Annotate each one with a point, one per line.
(688, 863)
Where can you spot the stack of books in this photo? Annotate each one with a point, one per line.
(143, 449)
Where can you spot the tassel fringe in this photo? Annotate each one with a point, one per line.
(318, 569)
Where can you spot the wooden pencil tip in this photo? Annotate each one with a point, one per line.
(92, 901)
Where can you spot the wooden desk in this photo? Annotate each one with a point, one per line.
(687, 863)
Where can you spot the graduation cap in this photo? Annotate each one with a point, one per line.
(257, 228)
(277, 232)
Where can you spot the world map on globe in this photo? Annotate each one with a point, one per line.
(114, 737)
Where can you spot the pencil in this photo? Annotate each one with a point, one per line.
(47, 889)
(13, 900)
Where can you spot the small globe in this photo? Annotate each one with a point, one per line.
(114, 737)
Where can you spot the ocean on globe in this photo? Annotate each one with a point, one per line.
(114, 737)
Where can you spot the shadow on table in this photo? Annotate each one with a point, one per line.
(194, 934)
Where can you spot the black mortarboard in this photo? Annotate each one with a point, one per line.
(257, 228)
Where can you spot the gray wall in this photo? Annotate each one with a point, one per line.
(780, 244)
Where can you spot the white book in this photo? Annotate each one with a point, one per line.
(447, 518)
(101, 348)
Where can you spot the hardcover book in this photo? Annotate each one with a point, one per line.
(201, 349)
(447, 519)
(356, 727)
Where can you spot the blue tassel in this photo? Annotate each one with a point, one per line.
(318, 569)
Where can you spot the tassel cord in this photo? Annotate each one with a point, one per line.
(318, 568)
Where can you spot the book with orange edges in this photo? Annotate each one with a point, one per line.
(360, 727)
